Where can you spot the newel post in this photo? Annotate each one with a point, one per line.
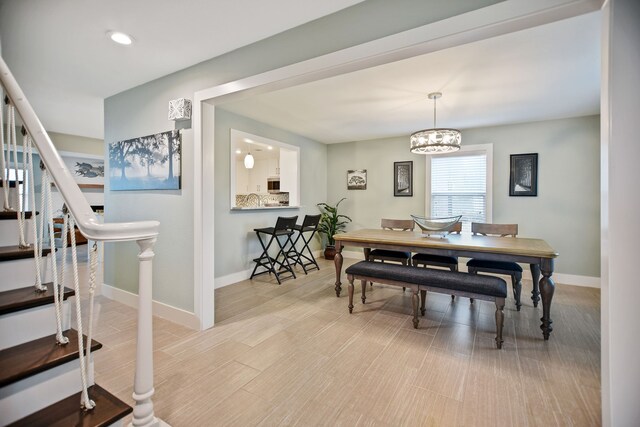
(143, 385)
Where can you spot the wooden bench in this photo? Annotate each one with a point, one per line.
(416, 279)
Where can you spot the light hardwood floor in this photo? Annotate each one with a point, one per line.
(293, 355)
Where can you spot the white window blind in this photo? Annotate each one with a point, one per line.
(459, 187)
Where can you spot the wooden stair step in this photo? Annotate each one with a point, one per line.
(36, 356)
(9, 253)
(25, 298)
(67, 412)
(7, 215)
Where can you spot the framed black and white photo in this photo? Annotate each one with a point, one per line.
(403, 179)
(523, 178)
(357, 179)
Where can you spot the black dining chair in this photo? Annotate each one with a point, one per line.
(508, 268)
(427, 260)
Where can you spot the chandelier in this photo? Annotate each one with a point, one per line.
(435, 140)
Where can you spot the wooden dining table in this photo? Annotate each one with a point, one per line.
(535, 252)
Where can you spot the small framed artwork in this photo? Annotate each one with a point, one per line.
(403, 179)
(523, 178)
(357, 179)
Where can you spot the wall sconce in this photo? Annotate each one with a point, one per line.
(180, 109)
(248, 161)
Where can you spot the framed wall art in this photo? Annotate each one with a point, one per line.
(403, 179)
(357, 179)
(149, 162)
(523, 176)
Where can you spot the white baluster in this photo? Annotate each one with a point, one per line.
(143, 384)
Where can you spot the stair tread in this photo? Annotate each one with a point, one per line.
(13, 215)
(27, 297)
(67, 412)
(9, 253)
(35, 356)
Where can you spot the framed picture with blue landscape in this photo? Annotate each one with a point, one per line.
(150, 162)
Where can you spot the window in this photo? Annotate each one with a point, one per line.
(460, 184)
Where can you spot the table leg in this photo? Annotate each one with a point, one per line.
(337, 260)
(367, 252)
(547, 288)
(535, 275)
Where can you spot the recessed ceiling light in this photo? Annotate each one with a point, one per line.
(270, 147)
(238, 152)
(120, 38)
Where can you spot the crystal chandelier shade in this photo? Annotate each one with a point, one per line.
(435, 140)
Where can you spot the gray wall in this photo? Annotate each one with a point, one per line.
(77, 144)
(143, 110)
(236, 243)
(566, 212)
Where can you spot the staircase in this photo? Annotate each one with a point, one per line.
(40, 380)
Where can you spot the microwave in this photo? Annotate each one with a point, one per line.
(273, 185)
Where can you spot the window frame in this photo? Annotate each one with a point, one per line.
(486, 149)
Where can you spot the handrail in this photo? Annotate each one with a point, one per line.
(85, 218)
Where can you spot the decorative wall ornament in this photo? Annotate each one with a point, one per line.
(149, 162)
(523, 176)
(357, 179)
(403, 179)
(180, 109)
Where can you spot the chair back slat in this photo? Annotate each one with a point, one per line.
(397, 224)
(311, 221)
(286, 223)
(502, 230)
(457, 228)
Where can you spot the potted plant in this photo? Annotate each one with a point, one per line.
(331, 223)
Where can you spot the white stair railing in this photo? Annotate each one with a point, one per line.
(143, 232)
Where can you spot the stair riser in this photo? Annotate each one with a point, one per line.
(39, 391)
(27, 325)
(9, 232)
(19, 273)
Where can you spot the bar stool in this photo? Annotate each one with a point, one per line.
(281, 234)
(309, 225)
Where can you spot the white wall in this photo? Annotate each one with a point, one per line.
(620, 214)
(566, 212)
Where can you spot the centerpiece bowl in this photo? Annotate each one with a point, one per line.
(436, 226)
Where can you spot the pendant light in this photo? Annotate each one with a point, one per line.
(248, 161)
(435, 140)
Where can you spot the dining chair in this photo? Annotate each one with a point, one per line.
(498, 267)
(383, 255)
(450, 262)
(388, 255)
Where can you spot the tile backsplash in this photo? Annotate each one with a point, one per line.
(254, 200)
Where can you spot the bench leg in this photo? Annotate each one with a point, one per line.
(364, 288)
(499, 321)
(414, 302)
(423, 302)
(350, 294)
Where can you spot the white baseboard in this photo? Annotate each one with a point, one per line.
(230, 279)
(563, 278)
(174, 314)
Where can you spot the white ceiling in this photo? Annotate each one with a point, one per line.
(60, 55)
(547, 72)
